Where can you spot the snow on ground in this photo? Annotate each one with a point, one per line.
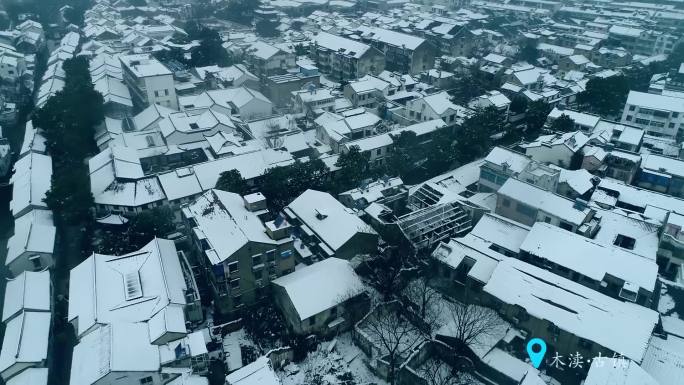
(334, 366)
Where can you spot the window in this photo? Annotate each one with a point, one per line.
(146, 380)
(631, 108)
(378, 152)
(271, 255)
(629, 118)
(35, 259)
(156, 94)
(286, 254)
(233, 267)
(235, 283)
(525, 210)
(547, 219)
(256, 259)
(418, 115)
(166, 92)
(451, 118)
(565, 226)
(506, 202)
(671, 125)
(675, 114)
(624, 241)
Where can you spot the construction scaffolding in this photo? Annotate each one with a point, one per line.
(426, 227)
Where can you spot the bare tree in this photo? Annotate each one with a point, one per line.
(392, 334)
(471, 325)
(438, 372)
(426, 302)
(273, 136)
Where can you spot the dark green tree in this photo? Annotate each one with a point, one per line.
(354, 168)
(267, 28)
(440, 153)
(232, 181)
(239, 11)
(529, 52)
(473, 139)
(210, 50)
(281, 185)
(405, 157)
(563, 123)
(536, 115)
(69, 196)
(518, 104)
(605, 96)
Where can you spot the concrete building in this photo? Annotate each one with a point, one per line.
(328, 229)
(343, 58)
(238, 252)
(658, 115)
(403, 53)
(324, 298)
(149, 81)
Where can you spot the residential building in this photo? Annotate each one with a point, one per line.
(621, 165)
(31, 248)
(109, 289)
(500, 164)
(266, 60)
(658, 115)
(338, 129)
(437, 106)
(527, 204)
(558, 149)
(30, 182)
(610, 269)
(328, 228)
(239, 253)
(671, 245)
(279, 88)
(403, 53)
(345, 59)
(325, 298)
(27, 317)
(386, 191)
(149, 81)
(248, 104)
(662, 174)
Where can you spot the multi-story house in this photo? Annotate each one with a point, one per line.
(658, 115)
(266, 60)
(403, 53)
(437, 106)
(328, 229)
(239, 252)
(149, 81)
(345, 58)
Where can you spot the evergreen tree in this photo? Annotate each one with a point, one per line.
(354, 168)
(474, 137)
(232, 181)
(563, 123)
(536, 115)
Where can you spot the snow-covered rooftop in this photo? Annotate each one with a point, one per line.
(141, 286)
(574, 308)
(328, 218)
(29, 291)
(543, 200)
(225, 223)
(589, 258)
(318, 287)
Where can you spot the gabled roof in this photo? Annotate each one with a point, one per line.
(29, 291)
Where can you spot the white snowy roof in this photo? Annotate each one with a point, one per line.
(31, 180)
(574, 308)
(626, 372)
(589, 258)
(501, 231)
(262, 50)
(34, 232)
(26, 340)
(102, 287)
(116, 347)
(318, 287)
(340, 44)
(226, 98)
(30, 376)
(655, 101)
(144, 65)
(28, 291)
(258, 372)
(226, 224)
(337, 225)
(546, 201)
(512, 160)
(392, 38)
(578, 180)
(662, 164)
(639, 197)
(664, 360)
(626, 223)
(574, 141)
(581, 118)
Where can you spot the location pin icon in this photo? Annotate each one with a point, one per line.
(536, 349)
